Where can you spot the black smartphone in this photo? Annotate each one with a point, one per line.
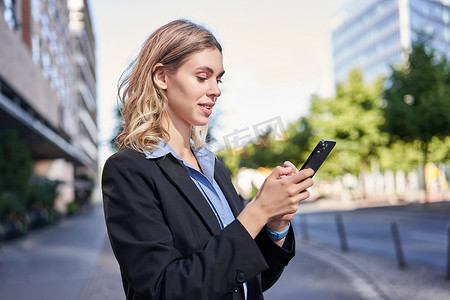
(318, 155)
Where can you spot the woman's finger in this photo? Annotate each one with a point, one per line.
(300, 176)
(279, 172)
(295, 189)
(302, 196)
(291, 165)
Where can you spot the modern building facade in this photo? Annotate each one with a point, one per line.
(374, 34)
(48, 88)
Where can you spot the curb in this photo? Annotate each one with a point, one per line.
(362, 281)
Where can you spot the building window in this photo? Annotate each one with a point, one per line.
(425, 9)
(10, 14)
(446, 17)
(45, 28)
(447, 35)
(51, 8)
(429, 29)
(46, 65)
(36, 49)
(36, 10)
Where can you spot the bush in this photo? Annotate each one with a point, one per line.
(41, 194)
(72, 208)
(13, 216)
(11, 205)
(15, 171)
(15, 163)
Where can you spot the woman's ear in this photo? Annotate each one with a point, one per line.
(160, 76)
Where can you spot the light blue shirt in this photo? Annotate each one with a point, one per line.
(205, 182)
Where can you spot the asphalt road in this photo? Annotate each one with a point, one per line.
(423, 231)
(314, 274)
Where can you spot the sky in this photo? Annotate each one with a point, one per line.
(275, 54)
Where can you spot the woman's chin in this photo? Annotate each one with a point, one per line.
(200, 123)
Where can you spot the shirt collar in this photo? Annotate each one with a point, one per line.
(161, 150)
(206, 159)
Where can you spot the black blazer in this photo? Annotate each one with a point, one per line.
(168, 242)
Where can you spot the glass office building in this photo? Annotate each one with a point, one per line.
(372, 35)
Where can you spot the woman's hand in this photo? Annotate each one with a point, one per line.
(277, 200)
(281, 222)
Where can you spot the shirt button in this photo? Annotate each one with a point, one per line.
(240, 277)
(235, 290)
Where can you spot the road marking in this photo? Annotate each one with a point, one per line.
(429, 237)
(359, 279)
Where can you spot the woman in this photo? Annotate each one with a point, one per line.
(175, 222)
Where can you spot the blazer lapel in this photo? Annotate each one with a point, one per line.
(222, 179)
(178, 176)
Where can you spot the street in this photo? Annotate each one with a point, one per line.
(73, 260)
(423, 231)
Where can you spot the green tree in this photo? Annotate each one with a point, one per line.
(352, 118)
(231, 159)
(15, 163)
(269, 152)
(398, 155)
(15, 171)
(299, 143)
(418, 99)
(118, 128)
(264, 152)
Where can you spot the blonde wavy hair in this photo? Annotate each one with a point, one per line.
(143, 102)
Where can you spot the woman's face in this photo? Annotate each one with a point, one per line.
(193, 89)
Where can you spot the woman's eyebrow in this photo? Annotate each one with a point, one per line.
(209, 70)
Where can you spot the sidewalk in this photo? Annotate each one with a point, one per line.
(375, 277)
(54, 262)
(73, 260)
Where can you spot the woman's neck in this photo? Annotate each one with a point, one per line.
(179, 139)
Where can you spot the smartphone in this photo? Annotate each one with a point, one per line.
(318, 155)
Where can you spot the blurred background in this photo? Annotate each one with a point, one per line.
(372, 75)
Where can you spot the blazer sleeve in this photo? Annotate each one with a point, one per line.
(276, 257)
(143, 245)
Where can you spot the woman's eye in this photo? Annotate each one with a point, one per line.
(201, 79)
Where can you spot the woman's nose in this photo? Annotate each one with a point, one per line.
(214, 90)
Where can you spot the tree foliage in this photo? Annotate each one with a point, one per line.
(15, 171)
(269, 152)
(299, 143)
(352, 118)
(117, 130)
(418, 99)
(264, 152)
(15, 163)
